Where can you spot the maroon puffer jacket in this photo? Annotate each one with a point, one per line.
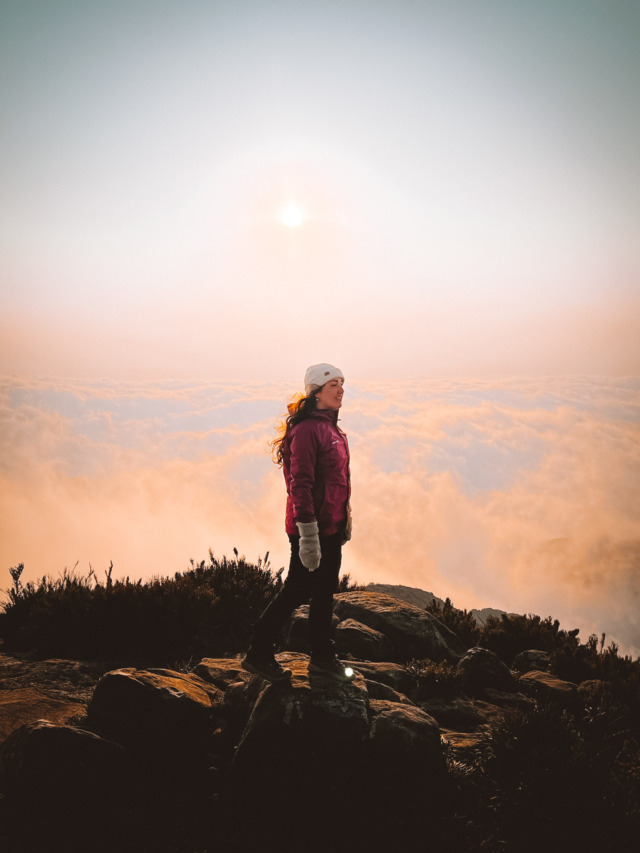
(316, 471)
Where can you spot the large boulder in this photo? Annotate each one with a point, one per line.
(482, 668)
(387, 672)
(316, 741)
(543, 685)
(296, 726)
(453, 712)
(362, 642)
(419, 597)
(415, 633)
(404, 735)
(300, 747)
(146, 708)
(297, 631)
(378, 690)
(58, 783)
(404, 770)
(532, 659)
(44, 757)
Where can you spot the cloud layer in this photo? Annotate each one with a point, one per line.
(521, 495)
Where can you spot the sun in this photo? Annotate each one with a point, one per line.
(292, 216)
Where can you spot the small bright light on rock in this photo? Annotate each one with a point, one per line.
(348, 671)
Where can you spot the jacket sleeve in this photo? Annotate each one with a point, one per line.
(304, 450)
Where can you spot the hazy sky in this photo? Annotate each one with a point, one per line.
(468, 173)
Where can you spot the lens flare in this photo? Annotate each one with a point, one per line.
(292, 216)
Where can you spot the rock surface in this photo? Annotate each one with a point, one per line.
(414, 633)
(454, 713)
(56, 690)
(411, 594)
(256, 758)
(298, 733)
(58, 783)
(362, 642)
(145, 708)
(405, 734)
(481, 669)
(532, 659)
(296, 639)
(547, 686)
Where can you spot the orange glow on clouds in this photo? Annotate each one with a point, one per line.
(521, 495)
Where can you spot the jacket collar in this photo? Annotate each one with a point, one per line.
(326, 415)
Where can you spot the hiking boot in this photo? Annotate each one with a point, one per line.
(333, 668)
(266, 666)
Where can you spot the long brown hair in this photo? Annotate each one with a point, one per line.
(299, 408)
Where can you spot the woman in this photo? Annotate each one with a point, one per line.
(314, 455)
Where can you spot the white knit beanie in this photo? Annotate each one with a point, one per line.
(318, 374)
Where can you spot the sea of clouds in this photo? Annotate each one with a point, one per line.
(518, 494)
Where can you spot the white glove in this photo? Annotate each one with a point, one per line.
(309, 544)
(347, 531)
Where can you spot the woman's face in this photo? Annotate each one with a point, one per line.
(330, 395)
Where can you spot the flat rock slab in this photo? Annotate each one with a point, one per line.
(25, 704)
(221, 671)
(57, 690)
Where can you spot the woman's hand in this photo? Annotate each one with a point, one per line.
(310, 552)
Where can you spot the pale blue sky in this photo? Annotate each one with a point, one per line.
(469, 174)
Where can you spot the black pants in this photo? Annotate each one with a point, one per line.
(302, 587)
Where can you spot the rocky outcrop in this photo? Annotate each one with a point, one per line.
(56, 690)
(58, 783)
(483, 615)
(392, 674)
(482, 669)
(378, 690)
(147, 708)
(414, 633)
(296, 635)
(532, 659)
(361, 642)
(299, 734)
(423, 599)
(254, 760)
(454, 712)
(42, 756)
(543, 685)
(411, 594)
(401, 733)
(221, 672)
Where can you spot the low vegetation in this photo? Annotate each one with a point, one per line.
(545, 778)
(509, 635)
(208, 610)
